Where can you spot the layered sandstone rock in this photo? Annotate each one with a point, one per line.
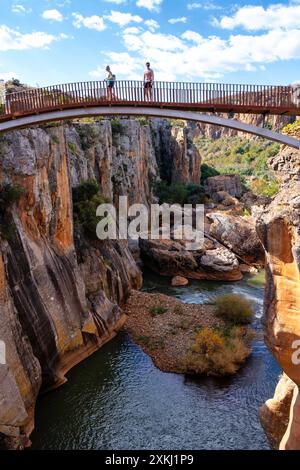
(286, 164)
(279, 231)
(275, 413)
(230, 184)
(239, 235)
(172, 258)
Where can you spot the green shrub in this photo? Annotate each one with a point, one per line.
(154, 311)
(264, 187)
(292, 129)
(213, 353)
(235, 309)
(55, 139)
(116, 126)
(8, 231)
(9, 195)
(88, 135)
(207, 171)
(14, 82)
(244, 156)
(179, 193)
(177, 123)
(72, 147)
(86, 198)
(143, 121)
(144, 340)
(51, 124)
(178, 310)
(208, 341)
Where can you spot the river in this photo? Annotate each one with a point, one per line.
(117, 399)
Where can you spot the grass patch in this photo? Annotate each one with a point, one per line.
(155, 311)
(72, 147)
(234, 309)
(263, 187)
(55, 139)
(143, 340)
(178, 310)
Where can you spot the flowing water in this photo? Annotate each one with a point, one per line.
(117, 399)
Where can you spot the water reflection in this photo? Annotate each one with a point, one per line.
(117, 399)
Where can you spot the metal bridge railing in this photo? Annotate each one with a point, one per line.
(202, 96)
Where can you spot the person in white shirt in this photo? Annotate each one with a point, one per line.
(148, 82)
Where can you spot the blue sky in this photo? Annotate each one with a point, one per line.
(55, 41)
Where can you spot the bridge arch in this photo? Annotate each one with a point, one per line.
(146, 111)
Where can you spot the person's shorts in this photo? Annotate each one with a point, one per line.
(111, 84)
(148, 85)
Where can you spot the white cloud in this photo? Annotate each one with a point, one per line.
(8, 75)
(14, 40)
(53, 15)
(194, 57)
(90, 22)
(193, 36)
(204, 6)
(152, 5)
(259, 18)
(119, 62)
(132, 30)
(122, 19)
(152, 25)
(20, 9)
(182, 19)
(116, 2)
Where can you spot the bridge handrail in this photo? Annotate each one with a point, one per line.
(197, 95)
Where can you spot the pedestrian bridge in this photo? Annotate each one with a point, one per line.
(166, 99)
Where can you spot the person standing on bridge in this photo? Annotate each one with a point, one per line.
(148, 82)
(111, 78)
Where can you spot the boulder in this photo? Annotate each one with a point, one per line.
(223, 197)
(229, 183)
(171, 258)
(179, 281)
(238, 234)
(246, 268)
(274, 414)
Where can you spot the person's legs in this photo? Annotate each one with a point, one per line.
(109, 93)
(148, 91)
(145, 91)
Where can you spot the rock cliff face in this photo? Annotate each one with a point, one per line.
(60, 293)
(279, 230)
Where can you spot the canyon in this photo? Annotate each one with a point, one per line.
(62, 293)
